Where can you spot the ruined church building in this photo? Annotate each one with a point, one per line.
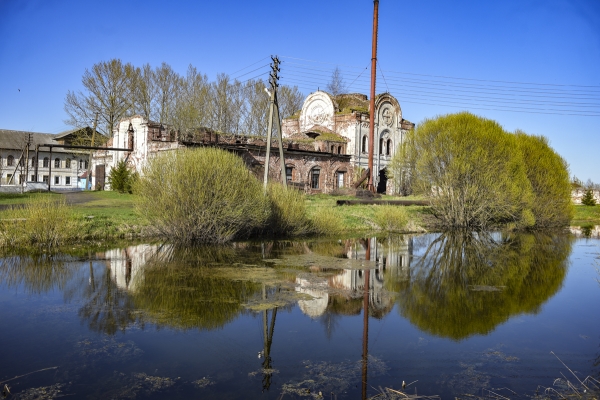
(325, 143)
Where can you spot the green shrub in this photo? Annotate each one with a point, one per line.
(588, 198)
(43, 222)
(201, 195)
(391, 218)
(469, 169)
(548, 175)
(121, 178)
(288, 211)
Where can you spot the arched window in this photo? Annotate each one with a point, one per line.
(388, 147)
(315, 175)
(364, 144)
(289, 173)
(46, 162)
(57, 163)
(339, 149)
(332, 148)
(381, 146)
(68, 163)
(10, 161)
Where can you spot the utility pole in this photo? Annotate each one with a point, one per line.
(372, 103)
(89, 169)
(26, 162)
(274, 112)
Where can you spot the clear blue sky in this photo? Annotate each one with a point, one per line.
(46, 45)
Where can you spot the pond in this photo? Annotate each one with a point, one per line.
(443, 316)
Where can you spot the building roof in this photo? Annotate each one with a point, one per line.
(16, 140)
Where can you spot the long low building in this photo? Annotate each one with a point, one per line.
(62, 169)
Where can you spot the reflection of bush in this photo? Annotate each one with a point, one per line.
(467, 284)
(38, 274)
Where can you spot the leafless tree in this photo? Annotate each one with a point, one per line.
(255, 121)
(107, 91)
(192, 105)
(144, 91)
(290, 100)
(336, 85)
(166, 85)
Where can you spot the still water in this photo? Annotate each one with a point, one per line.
(458, 315)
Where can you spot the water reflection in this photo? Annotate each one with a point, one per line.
(467, 283)
(36, 273)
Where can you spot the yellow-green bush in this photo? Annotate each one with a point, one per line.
(288, 211)
(475, 174)
(549, 177)
(43, 222)
(391, 218)
(201, 195)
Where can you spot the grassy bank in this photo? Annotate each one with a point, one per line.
(99, 216)
(586, 215)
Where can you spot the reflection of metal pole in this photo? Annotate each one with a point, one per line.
(365, 342)
(268, 340)
(365, 353)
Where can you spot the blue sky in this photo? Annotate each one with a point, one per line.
(46, 45)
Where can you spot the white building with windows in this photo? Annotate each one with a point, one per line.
(62, 169)
(347, 117)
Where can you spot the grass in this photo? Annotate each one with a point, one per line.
(361, 218)
(586, 215)
(106, 215)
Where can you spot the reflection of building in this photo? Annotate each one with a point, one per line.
(126, 264)
(316, 306)
(392, 260)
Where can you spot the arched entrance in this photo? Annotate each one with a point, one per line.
(381, 186)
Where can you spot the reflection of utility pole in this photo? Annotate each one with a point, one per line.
(268, 329)
(89, 169)
(274, 112)
(365, 343)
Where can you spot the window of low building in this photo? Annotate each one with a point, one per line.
(57, 180)
(33, 161)
(388, 148)
(364, 144)
(45, 178)
(68, 163)
(315, 175)
(57, 163)
(67, 180)
(289, 174)
(10, 161)
(46, 162)
(381, 146)
(33, 178)
(340, 179)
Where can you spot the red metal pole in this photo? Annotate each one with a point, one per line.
(372, 103)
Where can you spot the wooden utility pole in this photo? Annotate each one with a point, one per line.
(89, 169)
(274, 112)
(370, 185)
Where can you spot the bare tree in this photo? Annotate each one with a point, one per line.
(192, 105)
(107, 91)
(257, 100)
(166, 85)
(290, 100)
(144, 91)
(336, 85)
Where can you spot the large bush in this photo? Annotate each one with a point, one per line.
(468, 167)
(202, 195)
(549, 177)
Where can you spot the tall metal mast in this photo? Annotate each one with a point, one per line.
(372, 103)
